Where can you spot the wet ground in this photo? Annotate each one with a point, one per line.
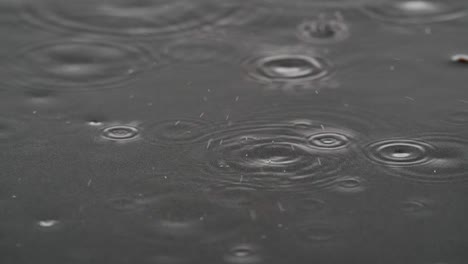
(233, 131)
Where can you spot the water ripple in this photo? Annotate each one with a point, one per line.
(417, 11)
(289, 68)
(135, 18)
(324, 29)
(431, 158)
(77, 64)
(177, 131)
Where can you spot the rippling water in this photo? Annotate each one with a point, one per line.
(238, 132)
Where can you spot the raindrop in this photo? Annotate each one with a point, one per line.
(324, 29)
(135, 18)
(416, 11)
(77, 64)
(436, 158)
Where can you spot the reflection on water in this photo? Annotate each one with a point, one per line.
(243, 132)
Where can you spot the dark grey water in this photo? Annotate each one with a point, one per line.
(233, 131)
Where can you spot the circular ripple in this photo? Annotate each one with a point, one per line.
(135, 18)
(179, 131)
(418, 207)
(77, 64)
(287, 67)
(243, 254)
(268, 157)
(349, 184)
(120, 133)
(178, 217)
(458, 118)
(434, 158)
(400, 152)
(328, 140)
(324, 29)
(11, 129)
(415, 11)
(201, 50)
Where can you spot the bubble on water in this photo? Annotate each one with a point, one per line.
(136, 18)
(178, 131)
(77, 64)
(415, 11)
(324, 29)
(244, 254)
(438, 158)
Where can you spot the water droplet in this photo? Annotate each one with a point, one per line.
(77, 64)
(432, 158)
(180, 131)
(140, 18)
(415, 11)
(120, 133)
(243, 254)
(324, 29)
